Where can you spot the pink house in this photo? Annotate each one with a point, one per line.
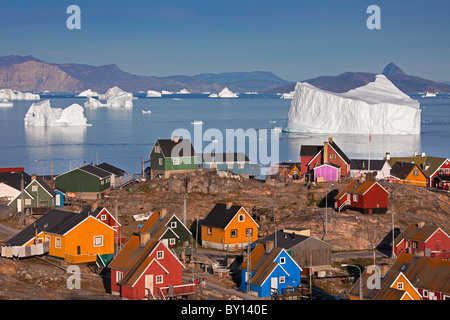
(327, 172)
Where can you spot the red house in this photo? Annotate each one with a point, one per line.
(365, 197)
(146, 268)
(312, 156)
(429, 240)
(102, 214)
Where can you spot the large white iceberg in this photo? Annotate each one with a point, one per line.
(117, 98)
(378, 107)
(17, 95)
(227, 93)
(41, 114)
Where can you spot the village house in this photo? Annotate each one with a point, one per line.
(71, 236)
(172, 156)
(146, 268)
(38, 198)
(372, 169)
(307, 251)
(237, 163)
(89, 179)
(117, 174)
(102, 214)
(441, 182)
(268, 270)
(426, 239)
(312, 156)
(411, 277)
(10, 182)
(228, 226)
(365, 197)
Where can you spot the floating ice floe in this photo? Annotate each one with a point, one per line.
(88, 93)
(4, 103)
(93, 103)
(227, 93)
(213, 95)
(166, 92)
(287, 95)
(184, 91)
(154, 94)
(41, 114)
(378, 107)
(17, 95)
(117, 98)
(146, 111)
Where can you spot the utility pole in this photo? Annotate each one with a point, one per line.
(393, 256)
(249, 287)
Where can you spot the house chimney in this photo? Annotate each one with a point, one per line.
(33, 176)
(388, 156)
(162, 213)
(229, 204)
(423, 154)
(420, 225)
(175, 139)
(330, 140)
(325, 151)
(269, 246)
(144, 237)
(415, 153)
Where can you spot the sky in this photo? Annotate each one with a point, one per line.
(295, 39)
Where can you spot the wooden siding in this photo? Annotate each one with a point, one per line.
(80, 181)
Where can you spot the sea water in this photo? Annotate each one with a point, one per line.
(125, 137)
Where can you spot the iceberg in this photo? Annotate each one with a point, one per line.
(378, 107)
(41, 114)
(227, 93)
(184, 91)
(117, 98)
(17, 95)
(152, 93)
(166, 92)
(93, 103)
(213, 95)
(6, 104)
(88, 93)
(287, 95)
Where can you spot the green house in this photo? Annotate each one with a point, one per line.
(85, 179)
(170, 156)
(37, 197)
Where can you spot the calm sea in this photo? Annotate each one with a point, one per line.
(123, 137)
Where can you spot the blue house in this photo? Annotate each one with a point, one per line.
(270, 270)
(237, 163)
(60, 196)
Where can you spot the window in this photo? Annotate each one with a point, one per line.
(332, 156)
(425, 293)
(47, 238)
(400, 285)
(160, 255)
(98, 241)
(241, 165)
(233, 233)
(241, 218)
(172, 241)
(160, 161)
(28, 202)
(34, 188)
(230, 165)
(249, 232)
(355, 198)
(416, 173)
(102, 182)
(447, 170)
(103, 217)
(173, 224)
(414, 244)
(119, 276)
(58, 242)
(176, 161)
(159, 279)
(209, 231)
(157, 149)
(282, 279)
(282, 260)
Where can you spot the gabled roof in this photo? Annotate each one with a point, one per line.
(220, 216)
(54, 221)
(363, 164)
(427, 164)
(310, 150)
(402, 169)
(415, 232)
(14, 179)
(365, 186)
(338, 150)
(287, 240)
(185, 148)
(335, 166)
(114, 170)
(44, 185)
(347, 189)
(96, 171)
(157, 224)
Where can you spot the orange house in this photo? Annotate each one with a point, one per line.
(74, 237)
(408, 173)
(228, 226)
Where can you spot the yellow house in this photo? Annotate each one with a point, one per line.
(408, 173)
(228, 226)
(74, 237)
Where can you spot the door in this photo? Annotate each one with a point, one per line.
(58, 200)
(148, 284)
(273, 283)
(78, 250)
(19, 205)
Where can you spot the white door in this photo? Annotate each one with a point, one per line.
(274, 283)
(148, 284)
(58, 200)
(19, 205)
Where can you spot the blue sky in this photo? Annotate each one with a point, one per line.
(296, 40)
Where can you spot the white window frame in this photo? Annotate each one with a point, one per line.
(355, 198)
(159, 279)
(160, 255)
(172, 241)
(28, 202)
(176, 161)
(241, 218)
(34, 188)
(230, 165)
(241, 165)
(282, 279)
(119, 276)
(209, 230)
(157, 149)
(425, 293)
(101, 241)
(233, 233)
(57, 242)
(160, 161)
(103, 217)
(332, 156)
(249, 232)
(173, 224)
(282, 260)
(400, 286)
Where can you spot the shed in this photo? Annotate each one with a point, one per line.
(85, 179)
(327, 172)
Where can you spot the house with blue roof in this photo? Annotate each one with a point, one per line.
(268, 270)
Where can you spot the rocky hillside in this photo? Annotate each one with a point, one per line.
(278, 205)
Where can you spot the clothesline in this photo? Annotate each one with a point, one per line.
(25, 251)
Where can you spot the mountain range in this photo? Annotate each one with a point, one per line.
(27, 73)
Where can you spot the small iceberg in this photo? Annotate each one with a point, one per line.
(153, 94)
(41, 114)
(93, 103)
(429, 95)
(88, 93)
(287, 95)
(227, 93)
(146, 111)
(9, 94)
(184, 91)
(165, 92)
(213, 95)
(117, 98)
(4, 103)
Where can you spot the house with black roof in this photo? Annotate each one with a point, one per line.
(169, 156)
(88, 178)
(380, 169)
(117, 174)
(10, 182)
